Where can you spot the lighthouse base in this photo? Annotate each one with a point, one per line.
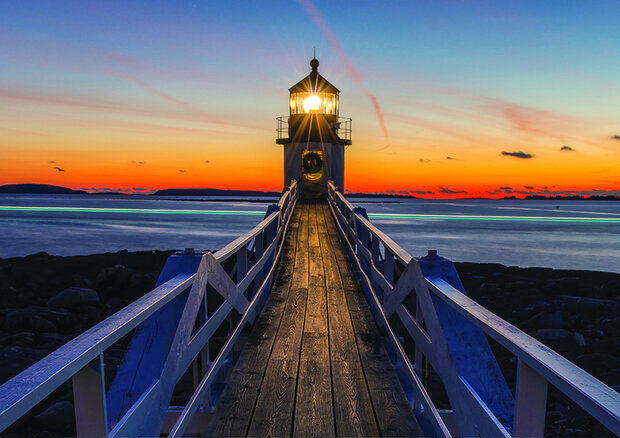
(314, 165)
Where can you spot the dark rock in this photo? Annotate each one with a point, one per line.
(57, 416)
(74, 296)
(40, 324)
(517, 285)
(109, 276)
(44, 434)
(20, 339)
(596, 363)
(16, 320)
(546, 320)
(557, 339)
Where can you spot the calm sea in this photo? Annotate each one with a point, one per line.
(567, 234)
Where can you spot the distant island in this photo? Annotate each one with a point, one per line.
(48, 189)
(213, 192)
(40, 189)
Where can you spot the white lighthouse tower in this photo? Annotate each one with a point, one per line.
(313, 135)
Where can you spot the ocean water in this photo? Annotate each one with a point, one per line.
(566, 234)
(555, 234)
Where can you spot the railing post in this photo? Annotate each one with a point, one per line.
(91, 417)
(242, 262)
(530, 403)
(418, 363)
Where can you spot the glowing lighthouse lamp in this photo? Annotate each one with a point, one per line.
(313, 135)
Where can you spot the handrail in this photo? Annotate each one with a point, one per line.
(390, 275)
(577, 384)
(22, 392)
(82, 358)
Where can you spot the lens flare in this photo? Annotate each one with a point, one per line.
(312, 103)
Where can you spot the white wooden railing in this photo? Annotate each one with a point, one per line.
(424, 301)
(240, 273)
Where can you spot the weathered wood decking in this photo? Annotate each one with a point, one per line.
(314, 364)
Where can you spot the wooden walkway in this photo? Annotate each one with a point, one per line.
(314, 364)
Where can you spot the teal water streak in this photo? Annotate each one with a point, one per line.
(261, 213)
(130, 210)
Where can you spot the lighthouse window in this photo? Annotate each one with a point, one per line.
(312, 163)
(321, 103)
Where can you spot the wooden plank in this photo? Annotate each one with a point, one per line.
(273, 412)
(353, 409)
(314, 408)
(274, 409)
(341, 336)
(352, 406)
(393, 413)
(234, 410)
(314, 415)
(316, 312)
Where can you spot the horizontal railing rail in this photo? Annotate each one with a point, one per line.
(424, 300)
(240, 273)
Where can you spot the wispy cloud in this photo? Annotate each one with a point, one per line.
(615, 137)
(162, 95)
(182, 171)
(520, 154)
(447, 191)
(52, 162)
(353, 72)
(424, 160)
(58, 169)
(567, 148)
(207, 161)
(137, 162)
(451, 158)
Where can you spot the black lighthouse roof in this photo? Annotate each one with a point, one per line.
(314, 82)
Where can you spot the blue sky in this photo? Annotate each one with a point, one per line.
(466, 79)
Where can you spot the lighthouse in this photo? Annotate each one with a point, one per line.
(314, 135)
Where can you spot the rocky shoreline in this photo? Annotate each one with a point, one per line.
(46, 300)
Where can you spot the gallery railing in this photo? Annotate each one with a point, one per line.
(342, 127)
(198, 295)
(428, 319)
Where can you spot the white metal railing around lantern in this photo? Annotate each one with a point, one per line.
(342, 127)
(424, 299)
(241, 273)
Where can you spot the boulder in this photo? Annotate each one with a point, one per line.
(111, 276)
(20, 339)
(57, 416)
(40, 324)
(546, 320)
(559, 340)
(74, 296)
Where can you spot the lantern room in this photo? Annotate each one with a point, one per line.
(314, 135)
(314, 94)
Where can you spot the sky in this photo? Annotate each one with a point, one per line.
(448, 98)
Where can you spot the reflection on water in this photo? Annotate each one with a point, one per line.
(571, 245)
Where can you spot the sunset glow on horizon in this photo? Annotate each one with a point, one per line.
(448, 99)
